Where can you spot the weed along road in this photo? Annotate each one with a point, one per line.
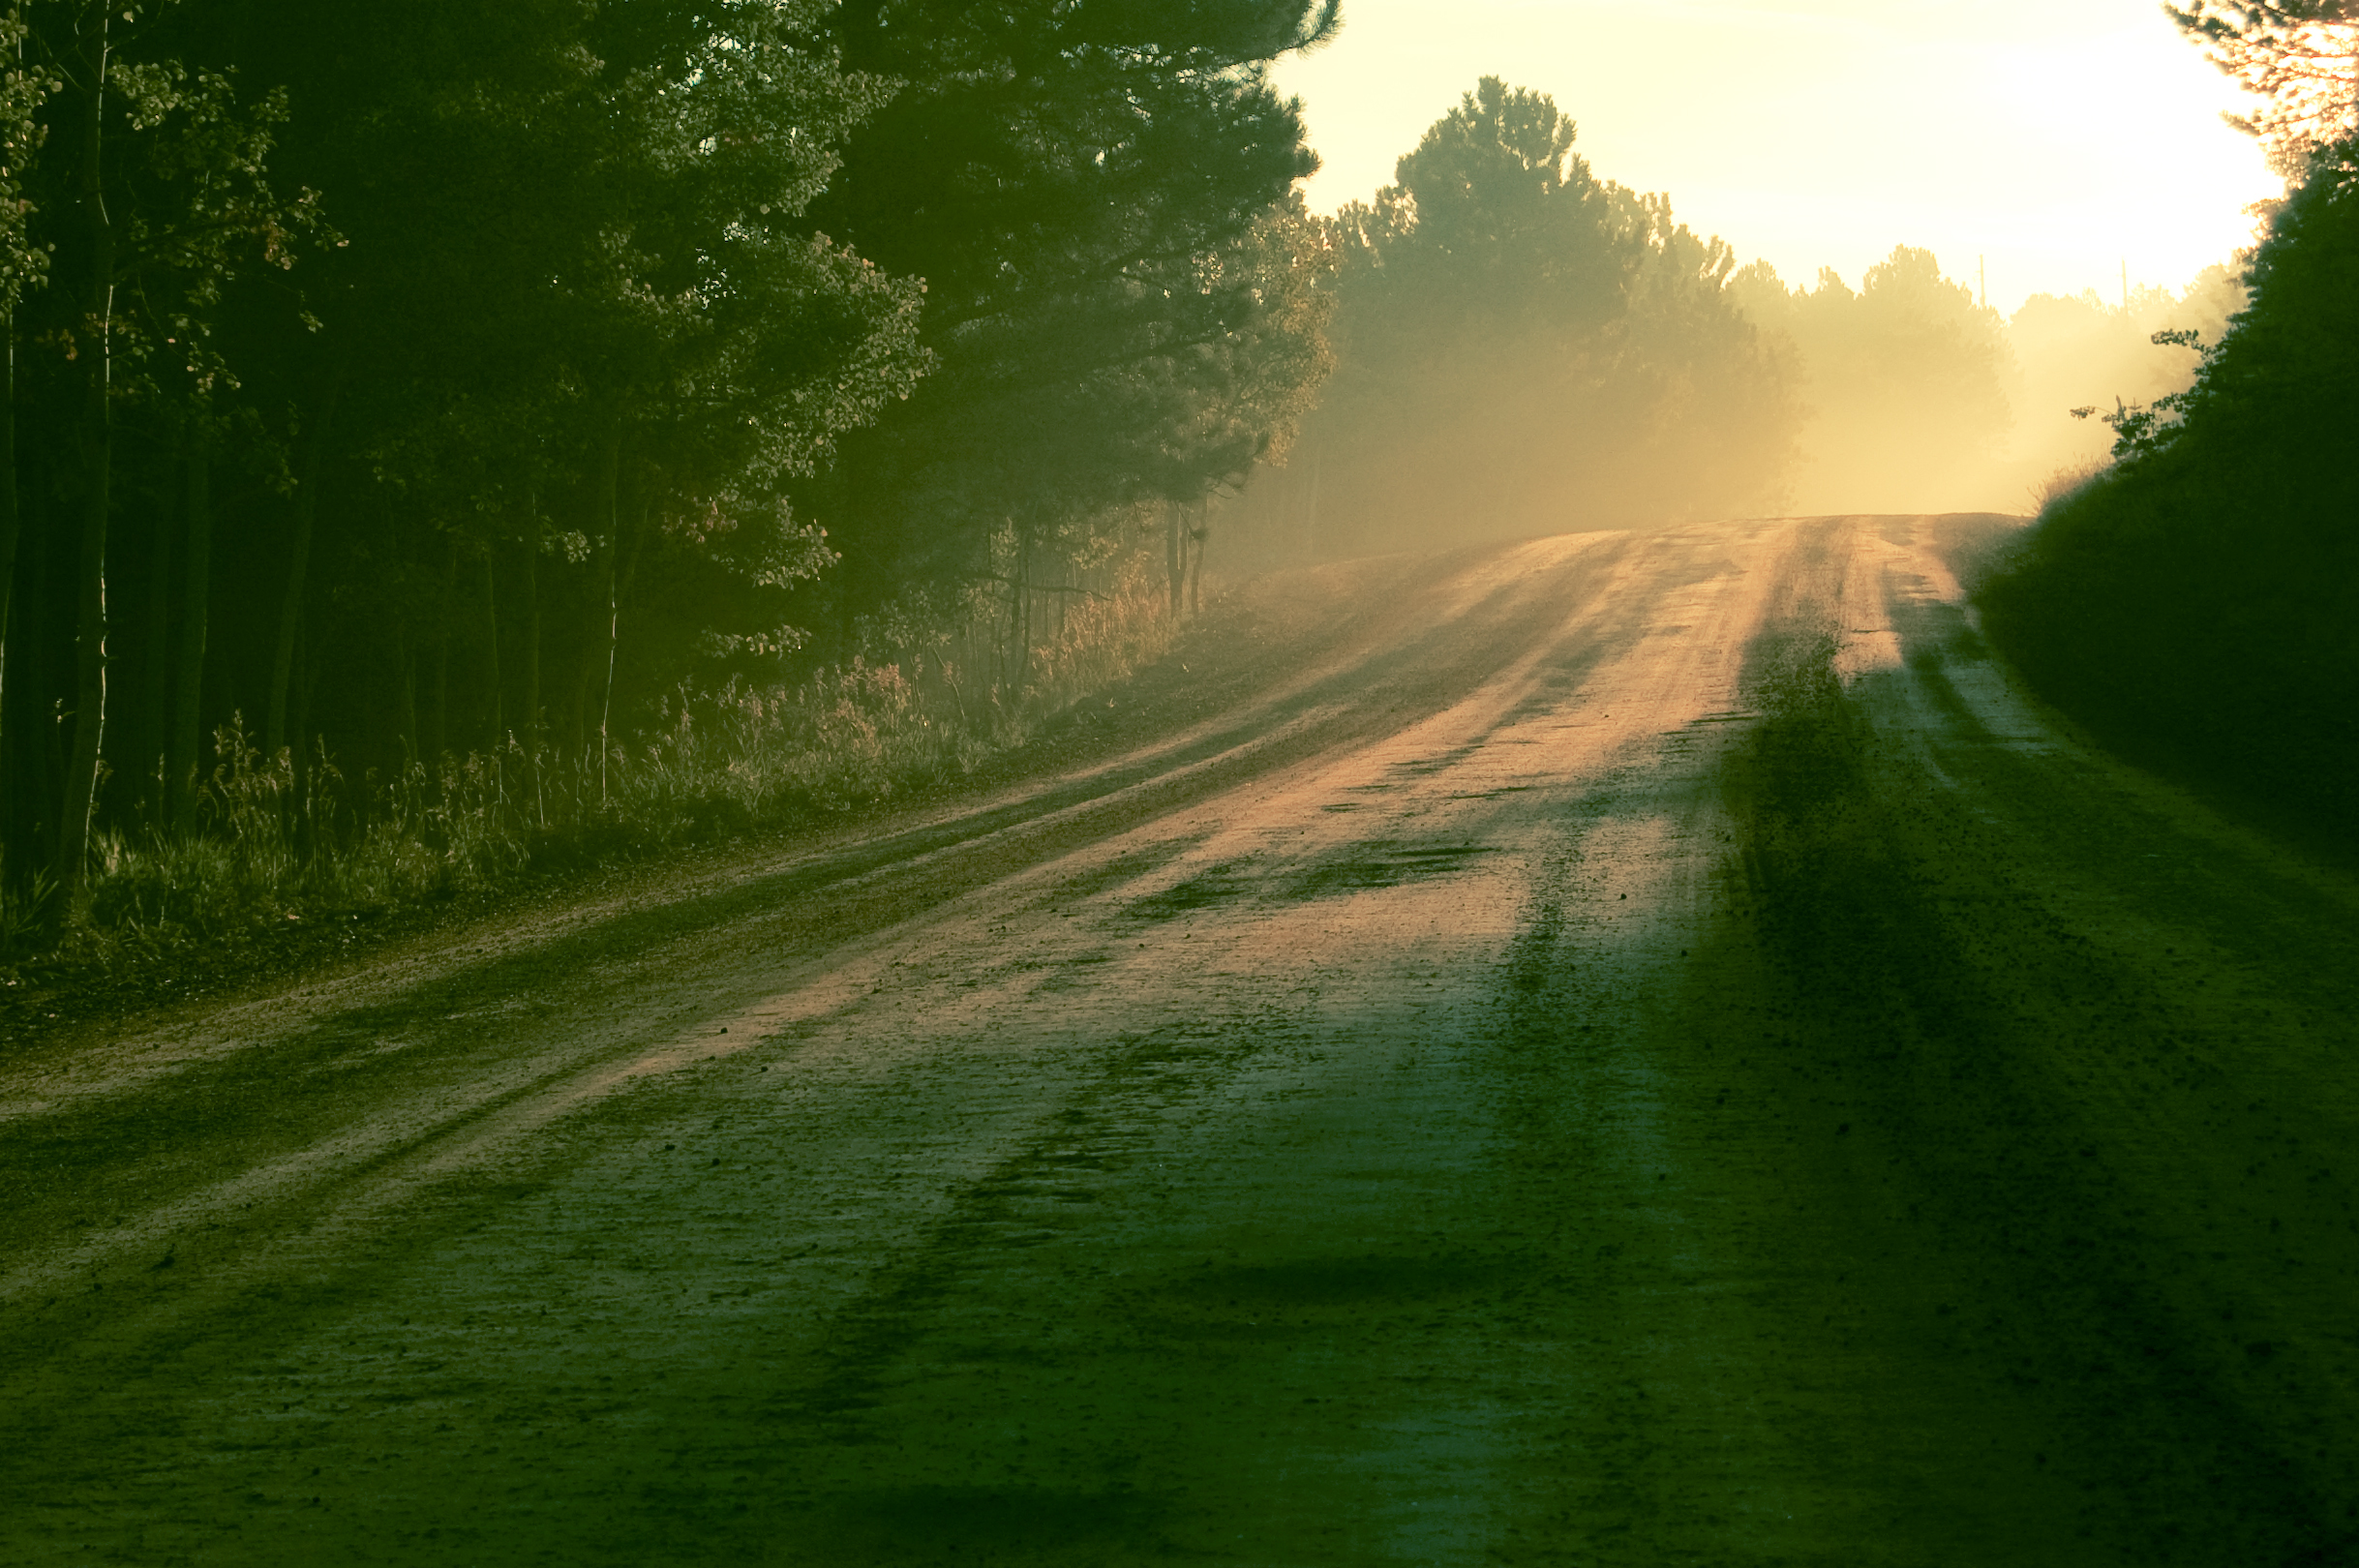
(1610, 1049)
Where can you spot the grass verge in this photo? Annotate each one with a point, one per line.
(286, 864)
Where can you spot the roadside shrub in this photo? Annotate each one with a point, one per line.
(273, 843)
(2197, 606)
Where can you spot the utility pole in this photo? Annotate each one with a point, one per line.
(1982, 279)
(2125, 286)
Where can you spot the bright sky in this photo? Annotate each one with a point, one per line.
(2056, 138)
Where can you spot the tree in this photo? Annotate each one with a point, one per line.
(2198, 604)
(1524, 347)
(2300, 57)
(25, 89)
(1079, 186)
(579, 320)
(1908, 380)
(151, 195)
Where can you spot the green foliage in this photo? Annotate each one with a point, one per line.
(2200, 604)
(181, 161)
(1118, 293)
(439, 380)
(274, 847)
(25, 89)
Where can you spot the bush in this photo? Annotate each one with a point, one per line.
(2197, 606)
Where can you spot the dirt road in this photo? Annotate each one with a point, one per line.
(1615, 1049)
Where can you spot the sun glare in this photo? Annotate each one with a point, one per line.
(2053, 146)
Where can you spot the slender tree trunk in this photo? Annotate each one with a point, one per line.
(1202, 533)
(534, 740)
(437, 729)
(298, 563)
(306, 676)
(155, 745)
(9, 530)
(1175, 554)
(496, 730)
(405, 699)
(618, 583)
(1019, 619)
(531, 649)
(291, 617)
(33, 779)
(195, 607)
(1311, 527)
(81, 782)
(610, 485)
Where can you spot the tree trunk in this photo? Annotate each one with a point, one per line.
(1203, 535)
(531, 647)
(533, 738)
(79, 797)
(405, 667)
(610, 484)
(298, 562)
(31, 788)
(1019, 616)
(195, 606)
(494, 730)
(81, 782)
(437, 730)
(8, 528)
(307, 815)
(155, 744)
(1310, 530)
(1175, 554)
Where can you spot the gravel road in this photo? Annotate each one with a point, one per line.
(1616, 1050)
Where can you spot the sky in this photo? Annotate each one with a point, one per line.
(2054, 139)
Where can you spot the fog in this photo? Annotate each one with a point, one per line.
(1922, 400)
(1524, 347)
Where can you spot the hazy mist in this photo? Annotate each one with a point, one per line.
(1524, 346)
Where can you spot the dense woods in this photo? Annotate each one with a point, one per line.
(396, 384)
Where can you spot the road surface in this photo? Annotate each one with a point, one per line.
(1615, 1049)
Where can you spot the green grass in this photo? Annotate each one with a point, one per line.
(274, 847)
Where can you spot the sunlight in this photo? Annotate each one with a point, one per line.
(2055, 145)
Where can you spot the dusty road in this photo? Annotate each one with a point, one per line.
(1618, 1050)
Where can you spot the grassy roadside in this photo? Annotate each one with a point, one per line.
(287, 869)
(710, 804)
(2199, 635)
(2034, 1144)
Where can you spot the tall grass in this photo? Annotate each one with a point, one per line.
(271, 844)
(2063, 484)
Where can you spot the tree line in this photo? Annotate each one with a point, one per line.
(408, 379)
(1523, 346)
(400, 383)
